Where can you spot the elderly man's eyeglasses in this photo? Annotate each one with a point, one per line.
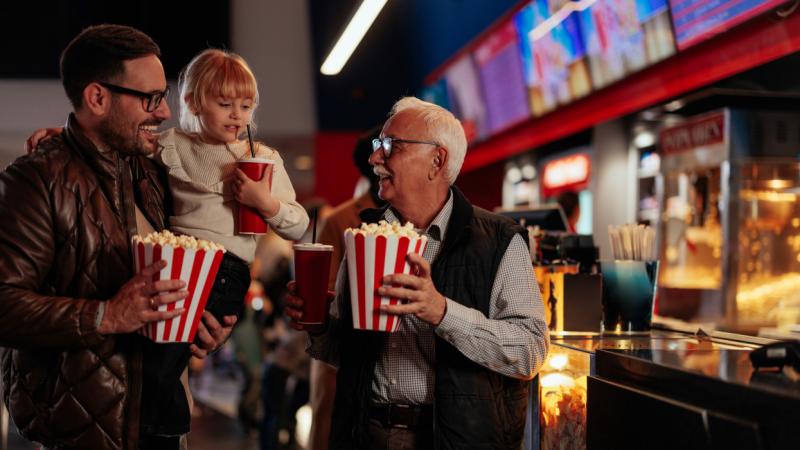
(150, 100)
(387, 144)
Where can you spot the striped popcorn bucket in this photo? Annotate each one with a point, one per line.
(369, 259)
(198, 268)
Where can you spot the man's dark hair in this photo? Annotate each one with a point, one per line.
(98, 54)
(569, 201)
(362, 152)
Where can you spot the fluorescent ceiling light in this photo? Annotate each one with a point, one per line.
(351, 36)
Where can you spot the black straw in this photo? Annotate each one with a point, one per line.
(250, 139)
(314, 227)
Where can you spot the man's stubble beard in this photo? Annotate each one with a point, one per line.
(115, 131)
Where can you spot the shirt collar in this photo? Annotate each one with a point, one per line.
(438, 227)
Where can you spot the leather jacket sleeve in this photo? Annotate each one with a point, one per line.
(29, 316)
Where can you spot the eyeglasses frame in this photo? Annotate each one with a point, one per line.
(153, 99)
(387, 148)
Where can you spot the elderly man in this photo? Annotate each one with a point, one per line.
(456, 374)
(75, 375)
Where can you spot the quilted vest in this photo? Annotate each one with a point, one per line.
(474, 407)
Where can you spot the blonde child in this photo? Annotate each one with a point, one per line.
(219, 95)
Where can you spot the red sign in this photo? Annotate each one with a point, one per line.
(566, 174)
(699, 132)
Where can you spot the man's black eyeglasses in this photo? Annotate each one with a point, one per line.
(150, 100)
(387, 143)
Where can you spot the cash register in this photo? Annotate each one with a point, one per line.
(565, 265)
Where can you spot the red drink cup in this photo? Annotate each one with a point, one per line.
(249, 220)
(312, 264)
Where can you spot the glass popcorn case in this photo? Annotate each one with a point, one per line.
(729, 228)
(561, 398)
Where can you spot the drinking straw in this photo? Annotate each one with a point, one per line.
(314, 227)
(250, 139)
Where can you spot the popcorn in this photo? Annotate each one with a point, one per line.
(195, 261)
(186, 242)
(384, 228)
(373, 251)
(563, 416)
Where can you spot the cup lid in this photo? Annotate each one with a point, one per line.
(308, 246)
(256, 160)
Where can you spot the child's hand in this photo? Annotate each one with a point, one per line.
(256, 194)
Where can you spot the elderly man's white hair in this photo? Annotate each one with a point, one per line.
(443, 127)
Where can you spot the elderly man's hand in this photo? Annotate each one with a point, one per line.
(211, 334)
(422, 298)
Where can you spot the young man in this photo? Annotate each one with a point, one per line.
(75, 374)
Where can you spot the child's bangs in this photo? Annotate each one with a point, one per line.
(235, 81)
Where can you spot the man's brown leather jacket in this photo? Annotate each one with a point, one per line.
(66, 219)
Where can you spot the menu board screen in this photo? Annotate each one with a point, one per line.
(624, 36)
(698, 20)
(466, 99)
(500, 68)
(553, 55)
(436, 93)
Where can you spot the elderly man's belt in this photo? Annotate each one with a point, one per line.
(401, 416)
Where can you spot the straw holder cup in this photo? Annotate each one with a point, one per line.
(629, 289)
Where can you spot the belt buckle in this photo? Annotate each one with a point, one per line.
(392, 408)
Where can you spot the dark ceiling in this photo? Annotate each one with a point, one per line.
(33, 33)
(409, 39)
(376, 74)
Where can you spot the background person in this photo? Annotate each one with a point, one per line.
(570, 203)
(323, 376)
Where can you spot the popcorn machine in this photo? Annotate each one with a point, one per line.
(729, 226)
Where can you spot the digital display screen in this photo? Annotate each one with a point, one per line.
(697, 20)
(466, 98)
(436, 93)
(547, 217)
(500, 68)
(624, 36)
(553, 55)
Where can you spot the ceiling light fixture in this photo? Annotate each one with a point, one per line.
(351, 36)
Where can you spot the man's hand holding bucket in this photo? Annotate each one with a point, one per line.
(416, 290)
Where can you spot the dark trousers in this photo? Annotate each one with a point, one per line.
(380, 437)
(163, 442)
(280, 406)
(165, 409)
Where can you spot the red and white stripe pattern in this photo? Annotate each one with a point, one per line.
(369, 259)
(198, 268)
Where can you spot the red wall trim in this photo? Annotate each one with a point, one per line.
(335, 173)
(756, 43)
